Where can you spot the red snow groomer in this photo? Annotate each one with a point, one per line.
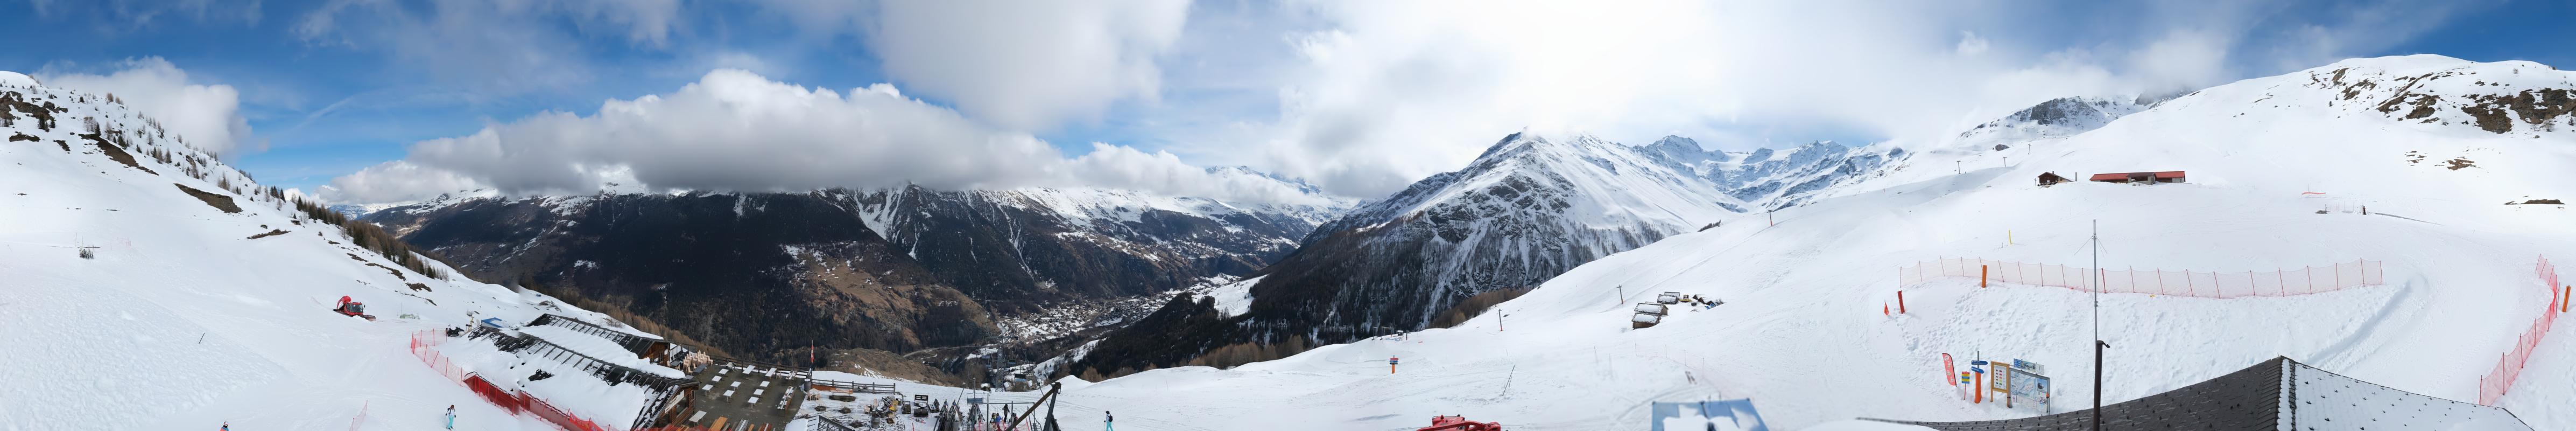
(1459, 423)
(353, 309)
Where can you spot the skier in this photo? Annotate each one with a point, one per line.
(451, 416)
(228, 426)
(1110, 422)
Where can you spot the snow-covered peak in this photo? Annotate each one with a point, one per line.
(2500, 97)
(442, 200)
(1281, 189)
(2057, 118)
(1684, 152)
(1583, 177)
(15, 79)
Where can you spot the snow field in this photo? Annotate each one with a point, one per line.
(182, 322)
(1801, 334)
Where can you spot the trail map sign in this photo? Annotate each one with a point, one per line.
(2028, 387)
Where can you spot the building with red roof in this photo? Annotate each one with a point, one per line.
(2140, 177)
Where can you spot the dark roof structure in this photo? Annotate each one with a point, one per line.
(2131, 176)
(2278, 394)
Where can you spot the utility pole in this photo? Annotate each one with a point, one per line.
(1050, 424)
(2098, 345)
(1047, 398)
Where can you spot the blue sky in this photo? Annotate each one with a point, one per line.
(1359, 97)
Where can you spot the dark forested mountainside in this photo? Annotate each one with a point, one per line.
(898, 270)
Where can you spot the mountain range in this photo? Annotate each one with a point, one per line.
(896, 269)
(1528, 208)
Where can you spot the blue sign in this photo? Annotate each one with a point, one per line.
(1737, 413)
(495, 323)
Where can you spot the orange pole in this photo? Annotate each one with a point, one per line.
(1980, 389)
(1900, 302)
(1981, 276)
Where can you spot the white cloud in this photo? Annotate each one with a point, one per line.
(396, 181)
(2182, 60)
(1121, 167)
(498, 46)
(1019, 65)
(207, 116)
(1362, 97)
(1970, 44)
(737, 131)
(144, 13)
(1377, 94)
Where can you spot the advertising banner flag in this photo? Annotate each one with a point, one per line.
(1947, 369)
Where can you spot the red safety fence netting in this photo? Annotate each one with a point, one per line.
(2493, 386)
(424, 346)
(2203, 284)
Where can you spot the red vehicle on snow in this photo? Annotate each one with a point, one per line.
(353, 309)
(1459, 423)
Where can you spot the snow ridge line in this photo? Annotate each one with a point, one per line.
(2360, 272)
(2495, 384)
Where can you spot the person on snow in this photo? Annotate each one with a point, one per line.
(451, 416)
(1108, 422)
(228, 426)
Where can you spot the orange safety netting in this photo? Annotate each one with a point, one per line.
(2205, 284)
(2493, 386)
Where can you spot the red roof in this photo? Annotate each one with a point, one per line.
(2126, 175)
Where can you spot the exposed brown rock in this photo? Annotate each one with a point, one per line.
(220, 202)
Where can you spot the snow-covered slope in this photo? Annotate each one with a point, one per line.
(128, 303)
(1801, 331)
(1528, 208)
